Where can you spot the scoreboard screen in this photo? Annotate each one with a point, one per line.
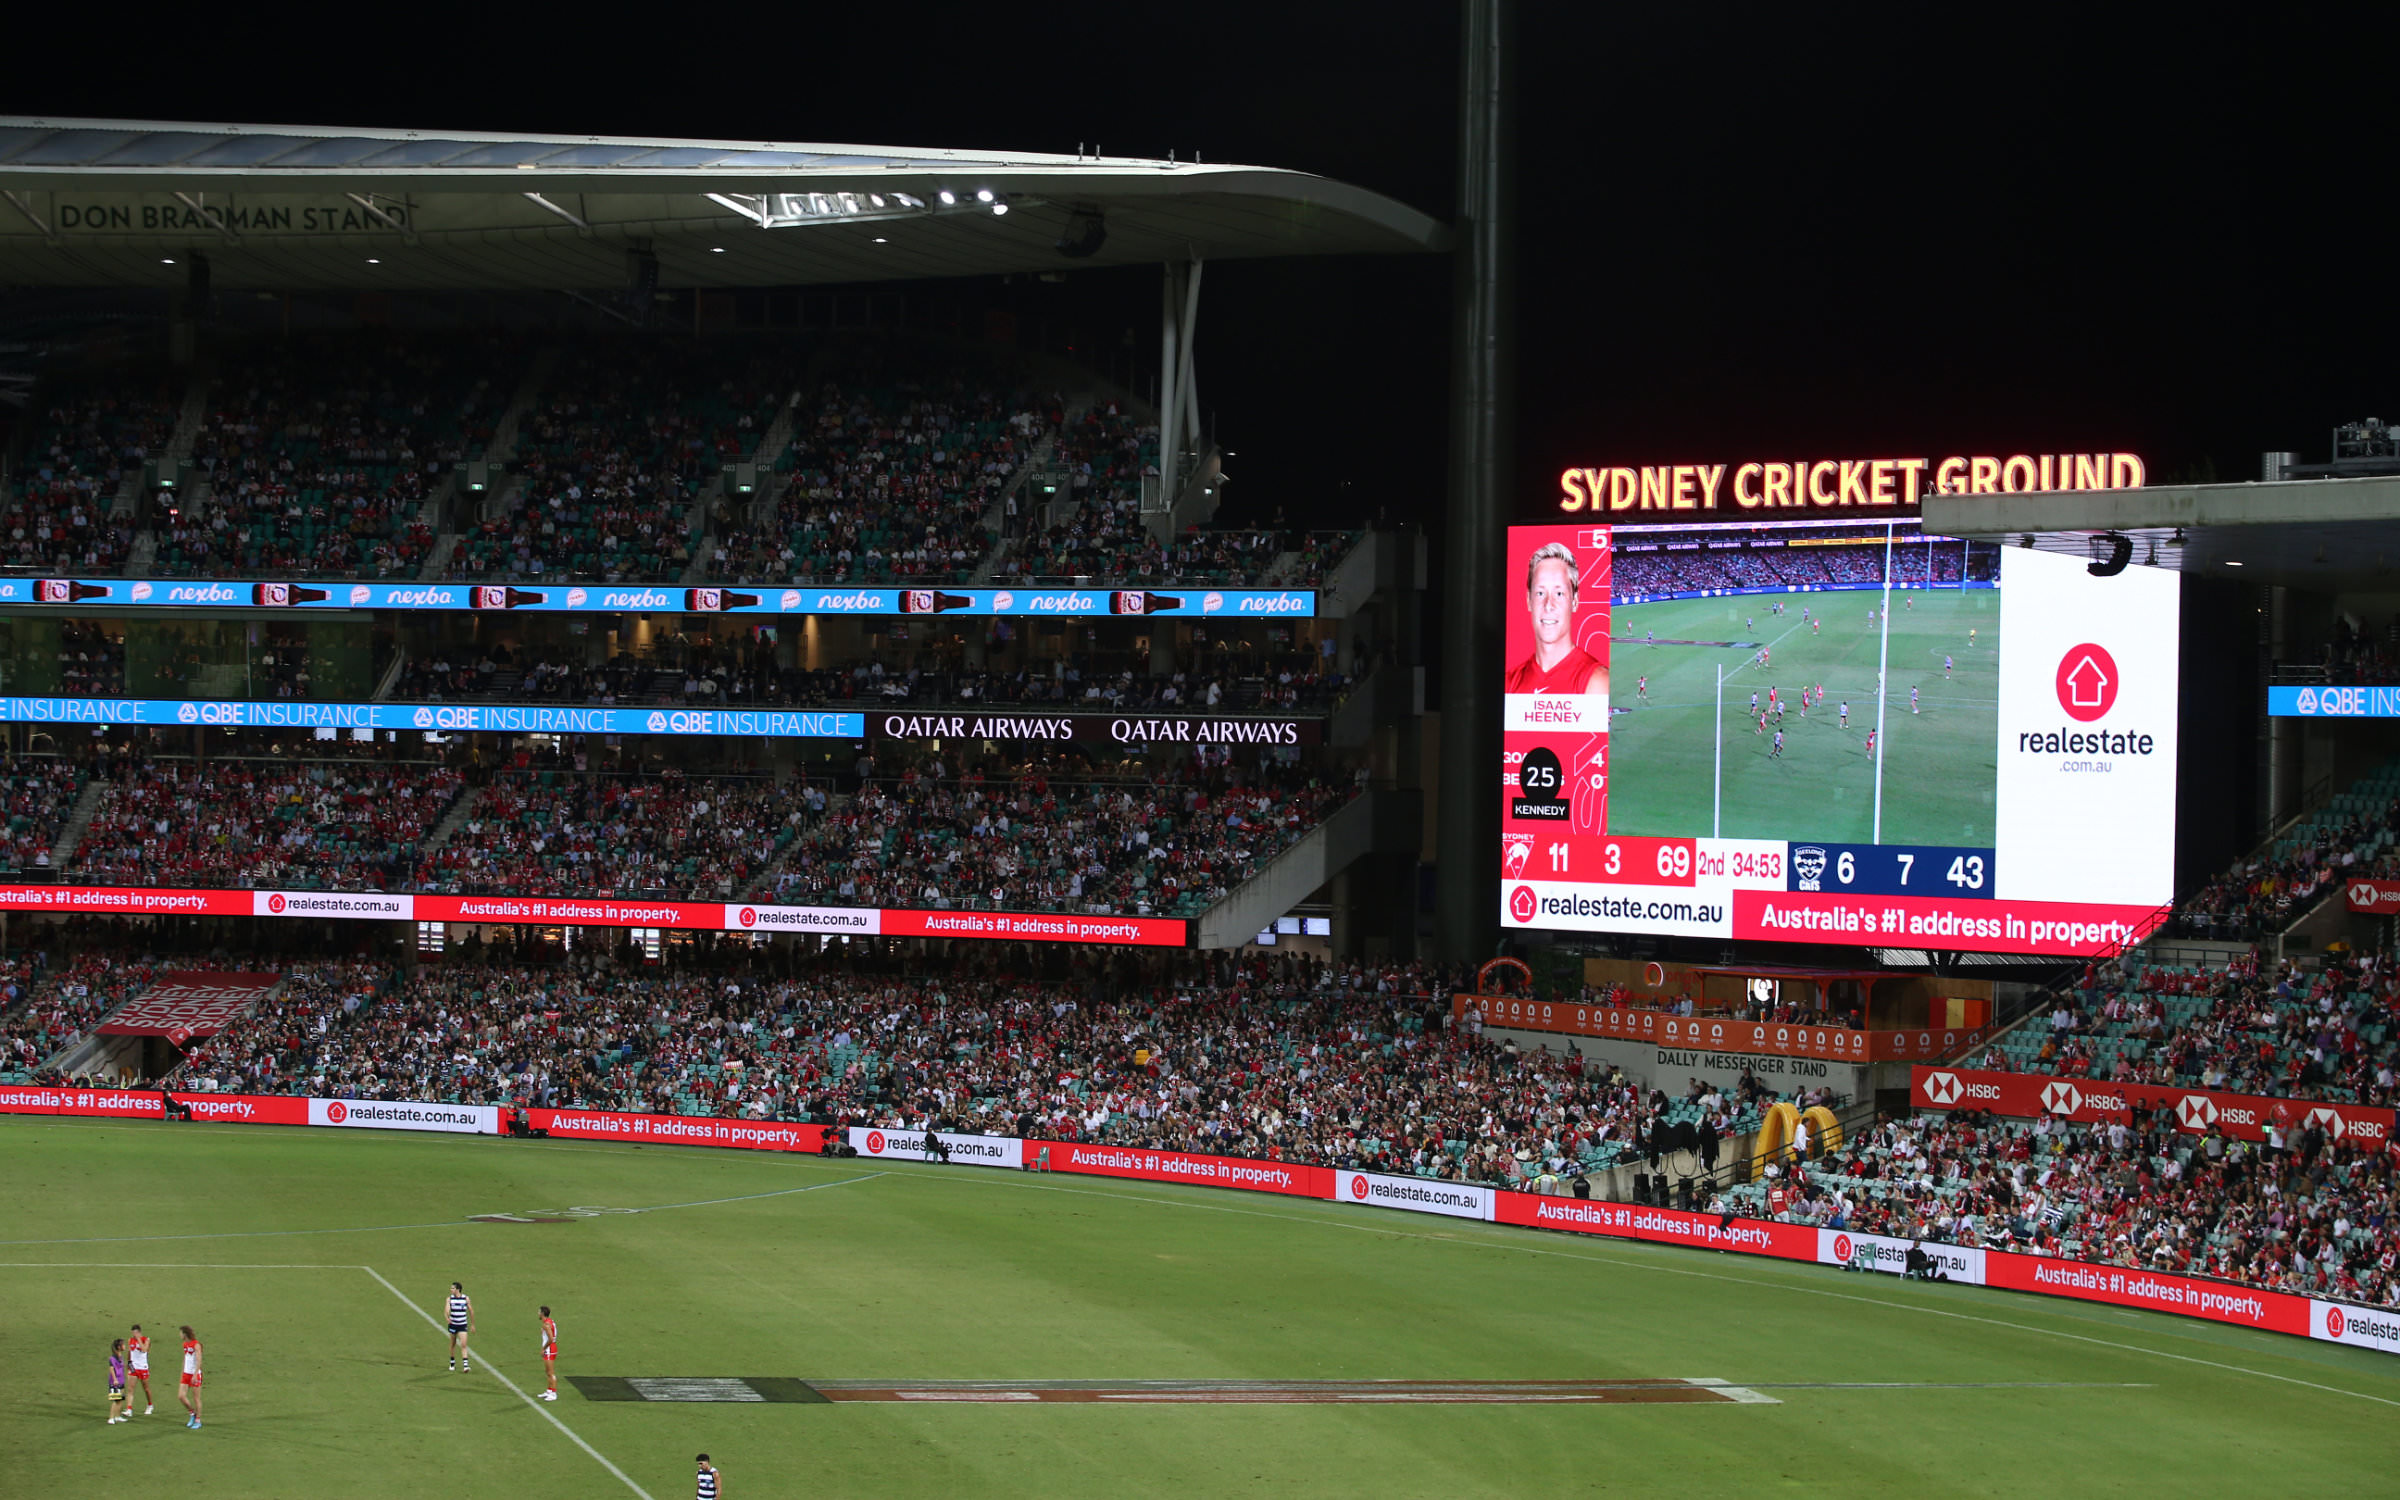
(1844, 732)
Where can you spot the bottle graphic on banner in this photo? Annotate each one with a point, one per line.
(1141, 602)
(66, 591)
(930, 601)
(284, 595)
(714, 601)
(494, 596)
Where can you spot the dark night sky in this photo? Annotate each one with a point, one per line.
(1789, 234)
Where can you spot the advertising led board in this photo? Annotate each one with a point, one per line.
(593, 598)
(447, 718)
(1820, 736)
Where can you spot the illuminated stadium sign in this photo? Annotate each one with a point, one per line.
(593, 598)
(1869, 488)
(1832, 744)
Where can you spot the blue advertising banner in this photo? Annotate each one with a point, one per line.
(593, 598)
(460, 718)
(2333, 702)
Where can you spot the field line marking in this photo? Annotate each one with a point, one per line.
(753, 1197)
(539, 1409)
(257, 1234)
(1633, 1264)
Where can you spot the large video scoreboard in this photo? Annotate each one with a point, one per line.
(1838, 731)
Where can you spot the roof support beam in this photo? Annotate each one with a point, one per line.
(562, 213)
(25, 208)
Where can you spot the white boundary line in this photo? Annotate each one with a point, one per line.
(546, 1414)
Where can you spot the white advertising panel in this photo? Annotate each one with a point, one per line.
(2086, 767)
(909, 1145)
(378, 1114)
(1424, 1195)
(1881, 1252)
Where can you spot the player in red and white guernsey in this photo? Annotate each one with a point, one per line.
(137, 1350)
(550, 1354)
(190, 1390)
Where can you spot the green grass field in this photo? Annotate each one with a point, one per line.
(277, 1244)
(1938, 764)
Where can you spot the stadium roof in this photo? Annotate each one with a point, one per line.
(125, 203)
(2308, 533)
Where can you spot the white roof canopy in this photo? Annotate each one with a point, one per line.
(123, 203)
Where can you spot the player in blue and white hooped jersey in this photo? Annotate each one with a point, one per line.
(709, 1483)
(460, 1322)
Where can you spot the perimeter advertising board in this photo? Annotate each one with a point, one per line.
(600, 911)
(1836, 734)
(713, 599)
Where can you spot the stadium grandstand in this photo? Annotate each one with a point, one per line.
(537, 698)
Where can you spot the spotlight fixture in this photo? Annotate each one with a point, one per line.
(2120, 552)
(999, 206)
(983, 195)
(948, 197)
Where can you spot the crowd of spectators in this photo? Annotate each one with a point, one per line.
(1339, 1064)
(2298, 1212)
(560, 833)
(84, 441)
(91, 662)
(2280, 1031)
(886, 480)
(320, 454)
(269, 1050)
(1272, 682)
(2265, 893)
(45, 1009)
(260, 824)
(1167, 847)
(618, 444)
(1696, 564)
(36, 799)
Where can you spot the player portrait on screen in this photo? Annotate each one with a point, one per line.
(1555, 664)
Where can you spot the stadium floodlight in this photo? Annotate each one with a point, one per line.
(1000, 206)
(983, 195)
(784, 210)
(948, 197)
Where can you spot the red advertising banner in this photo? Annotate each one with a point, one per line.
(127, 1104)
(600, 911)
(684, 1130)
(2245, 1116)
(1185, 1166)
(572, 911)
(1038, 927)
(2076, 928)
(1665, 1226)
(244, 1109)
(2158, 1291)
(188, 1004)
(2377, 897)
(125, 901)
(1717, 1033)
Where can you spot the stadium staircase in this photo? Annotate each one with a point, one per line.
(1375, 821)
(452, 821)
(995, 520)
(79, 821)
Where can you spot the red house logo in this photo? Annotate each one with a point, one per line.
(2087, 682)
